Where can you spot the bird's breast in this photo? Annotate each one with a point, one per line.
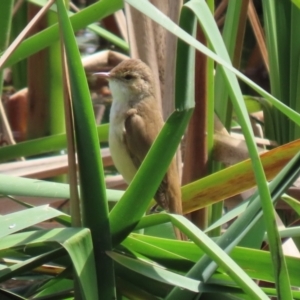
(118, 149)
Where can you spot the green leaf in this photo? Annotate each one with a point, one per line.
(297, 3)
(292, 202)
(235, 179)
(17, 221)
(43, 145)
(39, 41)
(18, 186)
(122, 217)
(78, 244)
(93, 27)
(92, 185)
(165, 276)
(210, 248)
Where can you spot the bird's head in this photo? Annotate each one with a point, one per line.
(131, 80)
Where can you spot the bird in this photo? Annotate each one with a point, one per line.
(135, 121)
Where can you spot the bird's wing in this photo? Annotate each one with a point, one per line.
(137, 137)
(138, 140)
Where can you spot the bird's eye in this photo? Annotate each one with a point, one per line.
(128, 77)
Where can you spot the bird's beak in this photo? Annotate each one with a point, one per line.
(102, 75)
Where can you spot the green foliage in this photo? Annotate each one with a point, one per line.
(108, 258)
(281, 20)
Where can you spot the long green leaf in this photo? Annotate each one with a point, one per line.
(259, 268)
(235, 179)
(11, 185)
(161, 19)
(17, 221)
(29, 264)
(18, 186)
(160, 274)
(123, 218)
(93, 27)
(223, 107)
(5, 23)
(203, 14)
(39, 41)
(210, 248)
(280, 270)
(43, 145)
(92, 185)
(78, 244)
(253, 214)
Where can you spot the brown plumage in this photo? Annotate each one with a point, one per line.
(135, 121)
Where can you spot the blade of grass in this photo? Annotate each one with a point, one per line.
(5, 23)
(279, 184)
(294, 68)
(232, 33)
(210, 248)
(17, 221)
(223, 107)
(260, 268)
(204, 16)
(29, 264)
(158, 17)
(280, 270)
(93, 27)
(92, 185)
(12, 49)
(18, 186)
(235, 179)
(93, 13)
(61, 218)
(77, 242)
(165, 276)
(47, 144)
(252, 215)
(122, 218)
(11, 185)
(69, 123)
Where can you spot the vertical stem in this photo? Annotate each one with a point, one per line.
(92, 184)
(235, 53)
(55, 87)
(5, 25)
(38, 98)
(195, 160)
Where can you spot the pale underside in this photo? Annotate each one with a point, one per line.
(119, 153)
(134, 125)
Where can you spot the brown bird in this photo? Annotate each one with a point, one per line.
(135, 121)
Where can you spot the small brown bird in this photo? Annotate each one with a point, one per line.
(135, 121)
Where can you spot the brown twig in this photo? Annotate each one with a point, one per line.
(24, 32)
(258, 32)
